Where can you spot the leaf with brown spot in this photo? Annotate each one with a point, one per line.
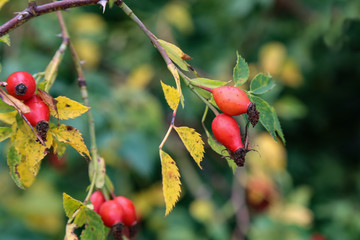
(71, 136)
(170, 181)
(67, 108)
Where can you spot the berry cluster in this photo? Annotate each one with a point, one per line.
(22, 86)
(118, 214)
(232, 101)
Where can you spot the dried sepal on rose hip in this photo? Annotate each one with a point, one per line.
(38, 116)
(233, 101)
(21, 85)
(227, 132)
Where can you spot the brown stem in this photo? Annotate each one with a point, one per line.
(34, 10)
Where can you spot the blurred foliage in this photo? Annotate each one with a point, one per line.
(312, 50)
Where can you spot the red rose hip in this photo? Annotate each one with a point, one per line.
(39, 115)
(111, 213)
(129, 218)
(227, 132)
(21, 85)
(234, 101)
(97, 199)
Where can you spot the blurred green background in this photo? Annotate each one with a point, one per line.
(309, 189)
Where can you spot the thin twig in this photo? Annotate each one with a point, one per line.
(84, 94)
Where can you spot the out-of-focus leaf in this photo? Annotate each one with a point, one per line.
(2, 3)
(175, 54)
(71, 136)
(8, 117)
(272, 56)
(261, 84)
(5, 39)
(5, 133)
(171, 95)
(141, 76)
(241, 71)
(193, 143)
(68, 108)
(177, 14)
(170, 180)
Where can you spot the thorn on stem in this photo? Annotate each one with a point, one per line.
(103, 4)
(22, 15)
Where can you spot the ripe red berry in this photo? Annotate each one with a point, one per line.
(231, 100)
(227, 132)
(97, 199)
(234, 101)
(39, 111)
(38, 116)
(129, 218)
(21, 85)
(111, 213)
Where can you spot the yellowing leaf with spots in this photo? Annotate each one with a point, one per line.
(176, 76)
(171, 95)
(68, 108)
(170, 181)
(193, 143)
(71, 136)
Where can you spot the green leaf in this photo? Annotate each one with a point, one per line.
(221, 150)
(175, 54)
(241, 71)
(70, 205)
(261, 84)
(268, 118)
(5, 133)
(13, 160)
(266, 115)
(278, 128)
(5, 39)
(101, 172)
(83, 216)
(205, 82)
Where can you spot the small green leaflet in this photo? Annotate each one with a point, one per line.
(94, 228)
(268, 118)
(261, 84)
(241, 71)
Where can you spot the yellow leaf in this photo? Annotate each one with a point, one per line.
(68, 108)
(175, 54)
(8, 118)
(193, 143)
(176, 76)
(171, 95)
(170, 180)
(178, 15)
(141, 76)
(71, 136)
(31, 151)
